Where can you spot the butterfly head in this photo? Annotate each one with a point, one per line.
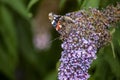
(54, 19)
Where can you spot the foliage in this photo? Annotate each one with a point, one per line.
(18, 57)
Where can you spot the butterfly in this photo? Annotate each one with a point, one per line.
(62, 24)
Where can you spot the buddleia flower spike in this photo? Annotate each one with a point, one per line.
(83, 34)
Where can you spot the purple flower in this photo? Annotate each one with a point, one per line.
(77, 55)
(83, 33)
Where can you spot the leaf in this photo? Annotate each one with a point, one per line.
(117, 33)
(8, 45)
(18, 6)
(113, 50)
(79, 3)
(90, 4)
(62, 3)
(52, 76)
(113, 62)
(31, 3)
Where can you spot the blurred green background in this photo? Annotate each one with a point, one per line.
(30, 48)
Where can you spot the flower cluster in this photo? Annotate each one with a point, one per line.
(76, 58)
(83, 33)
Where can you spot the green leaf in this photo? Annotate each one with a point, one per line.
(6, 65)
(18, 6)
(90, 4)
(79, 3)
(62, 3)
(117, 33)
(113, 62)
(8, 45)
(31, 3)
(51, 76)
(113, 50)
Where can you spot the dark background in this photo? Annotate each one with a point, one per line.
(30, 48)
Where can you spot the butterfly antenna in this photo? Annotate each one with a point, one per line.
(53, 40)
